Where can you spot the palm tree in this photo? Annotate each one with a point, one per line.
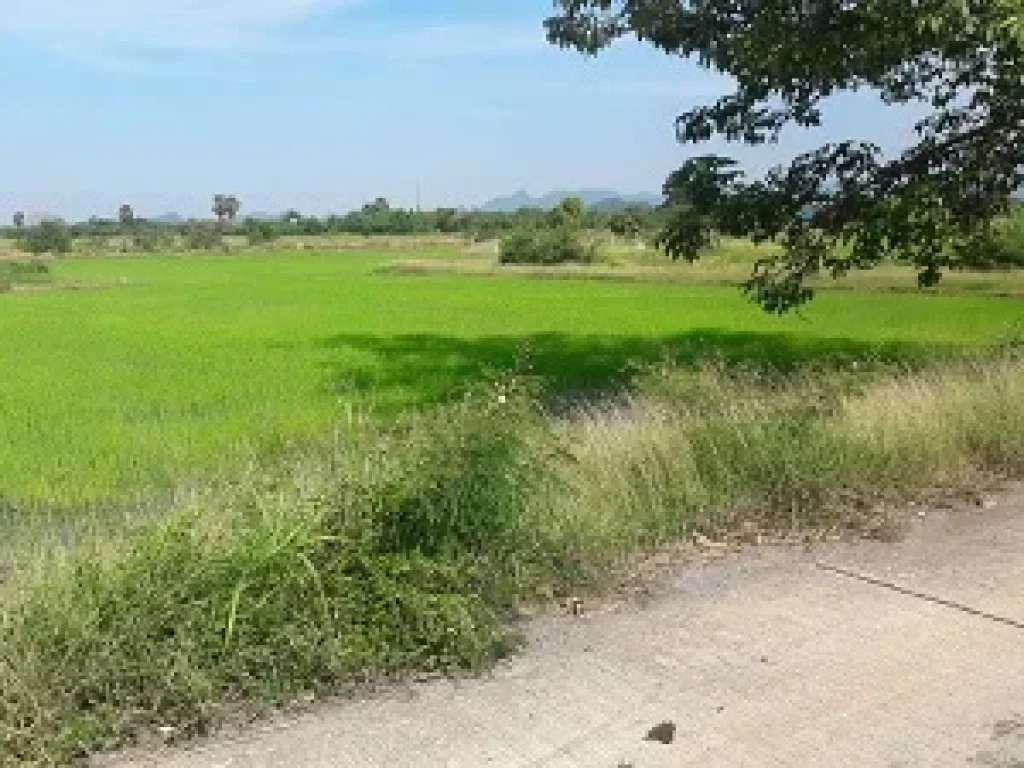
(220, 207)
(226, 207)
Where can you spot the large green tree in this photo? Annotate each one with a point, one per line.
(845, 205)
(568, 213)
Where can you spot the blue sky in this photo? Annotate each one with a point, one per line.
(323, 104)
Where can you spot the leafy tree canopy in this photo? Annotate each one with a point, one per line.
(846, 205)
(568, 213)
(49, 236)
(226, 207)
(378, 206)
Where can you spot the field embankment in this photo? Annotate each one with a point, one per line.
(713, 272)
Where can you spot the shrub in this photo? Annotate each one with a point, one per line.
(203, 237)
(33, 271)
(1010, 238)
(47, 237)
(625, 225)
(391, 553)
(461, 490)
(560, 245)
(260, 232)
(1006, 249)
(152, 239)
(519, 247)
(190, 617)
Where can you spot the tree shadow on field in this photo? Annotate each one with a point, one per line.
(399, 371)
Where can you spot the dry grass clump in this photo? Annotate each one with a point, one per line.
(703, 450)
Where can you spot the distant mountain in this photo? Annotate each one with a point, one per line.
(616, 204)
(601, 199)
(509, 203)
(169, 218)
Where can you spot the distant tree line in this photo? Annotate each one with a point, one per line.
(528, 235)
(378, 217)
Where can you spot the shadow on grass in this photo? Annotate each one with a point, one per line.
(422, 368)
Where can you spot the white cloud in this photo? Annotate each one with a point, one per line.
(137, 25)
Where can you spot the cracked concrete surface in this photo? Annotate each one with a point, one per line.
(759, 659)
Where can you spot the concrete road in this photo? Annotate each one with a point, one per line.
(759, 659)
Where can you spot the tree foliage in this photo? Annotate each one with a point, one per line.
(545, 247)
(845, 205)
(568, 213)
(126, 216)
(48, 236)
(552, 239)
(625, 224)
(203, 236)
(260, 232)
(226, 207)
(376, 218)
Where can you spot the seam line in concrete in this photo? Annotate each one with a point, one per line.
(920, 595)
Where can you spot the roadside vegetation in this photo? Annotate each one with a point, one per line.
(411, 546)
(253, 476)
(237, 478)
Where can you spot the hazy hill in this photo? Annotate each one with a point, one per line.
(602, 199)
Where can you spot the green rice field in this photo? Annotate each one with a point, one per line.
(129, 374)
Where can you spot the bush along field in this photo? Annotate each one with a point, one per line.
(410, 545)
(20, 273)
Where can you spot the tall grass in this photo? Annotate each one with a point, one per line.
(384, 552)
(390, 549)
(709, 449)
